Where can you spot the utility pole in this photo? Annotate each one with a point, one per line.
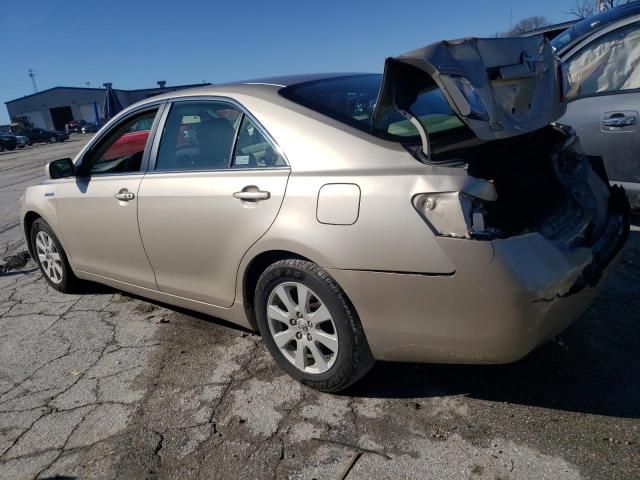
(32, 74)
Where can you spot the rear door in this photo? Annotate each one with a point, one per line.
(214, 187)
(605, 98)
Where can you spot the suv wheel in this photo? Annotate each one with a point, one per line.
(53, 139)
(310, 326)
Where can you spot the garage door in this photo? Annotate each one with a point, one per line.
(37, 118)
(88, 114)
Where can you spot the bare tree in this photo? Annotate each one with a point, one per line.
(588, 8)
(524, 25)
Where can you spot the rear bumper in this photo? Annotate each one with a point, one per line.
(506, 297)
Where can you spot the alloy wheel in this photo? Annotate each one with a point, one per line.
(49, 257)
(53, 140)
(302, 327)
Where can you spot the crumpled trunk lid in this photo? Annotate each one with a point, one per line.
(500, 87)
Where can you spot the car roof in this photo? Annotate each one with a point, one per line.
(288, 80)
(589, 25)
(251, 87)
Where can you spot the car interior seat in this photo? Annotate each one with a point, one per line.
(215, 138)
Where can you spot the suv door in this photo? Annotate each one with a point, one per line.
(604, 99)
(214, 187)
(98, 209)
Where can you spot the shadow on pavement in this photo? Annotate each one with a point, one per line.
(594, 367)
(13, 273)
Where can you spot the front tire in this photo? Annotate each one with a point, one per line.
(310, 327)
(51, 258)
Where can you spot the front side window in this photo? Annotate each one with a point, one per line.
(253, 150)
(198, 136)
(608, 64)
(122, 149)
(352, 100)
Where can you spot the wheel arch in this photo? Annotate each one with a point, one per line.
(30, 217)
(252, 272)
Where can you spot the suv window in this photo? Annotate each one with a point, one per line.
(198, 136)
(253, 150)
(122, 149)
(608, 64)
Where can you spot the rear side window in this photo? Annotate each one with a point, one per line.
(253, 150)
(198, 136)
(352, 100)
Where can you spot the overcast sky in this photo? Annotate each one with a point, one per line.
(135, 43)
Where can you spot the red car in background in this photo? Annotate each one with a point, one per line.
(131, 142)
(75, 126)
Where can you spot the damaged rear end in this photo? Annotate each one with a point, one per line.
(553, 221)
(507, 94)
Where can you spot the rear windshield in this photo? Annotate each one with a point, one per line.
(352, 100)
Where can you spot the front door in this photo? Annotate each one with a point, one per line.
(215, 187)
(604, 100)
(98, 209)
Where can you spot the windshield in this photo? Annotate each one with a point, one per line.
(352, 100)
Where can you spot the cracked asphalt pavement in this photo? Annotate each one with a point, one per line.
(106, 385)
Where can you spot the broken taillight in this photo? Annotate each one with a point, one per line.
(454, 214)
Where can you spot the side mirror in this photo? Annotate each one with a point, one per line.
(62, 168)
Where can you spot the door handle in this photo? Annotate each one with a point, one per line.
(124, 195)
(252, 195)
(619, 121)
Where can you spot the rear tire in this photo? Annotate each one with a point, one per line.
(327, 352)
(53, 139)
(51, 258)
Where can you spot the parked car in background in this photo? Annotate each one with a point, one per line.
(89, 128)
(434, 213)
(75, 126)
(40, 135)
(7, 142)
(22, 141)
(602, 56)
